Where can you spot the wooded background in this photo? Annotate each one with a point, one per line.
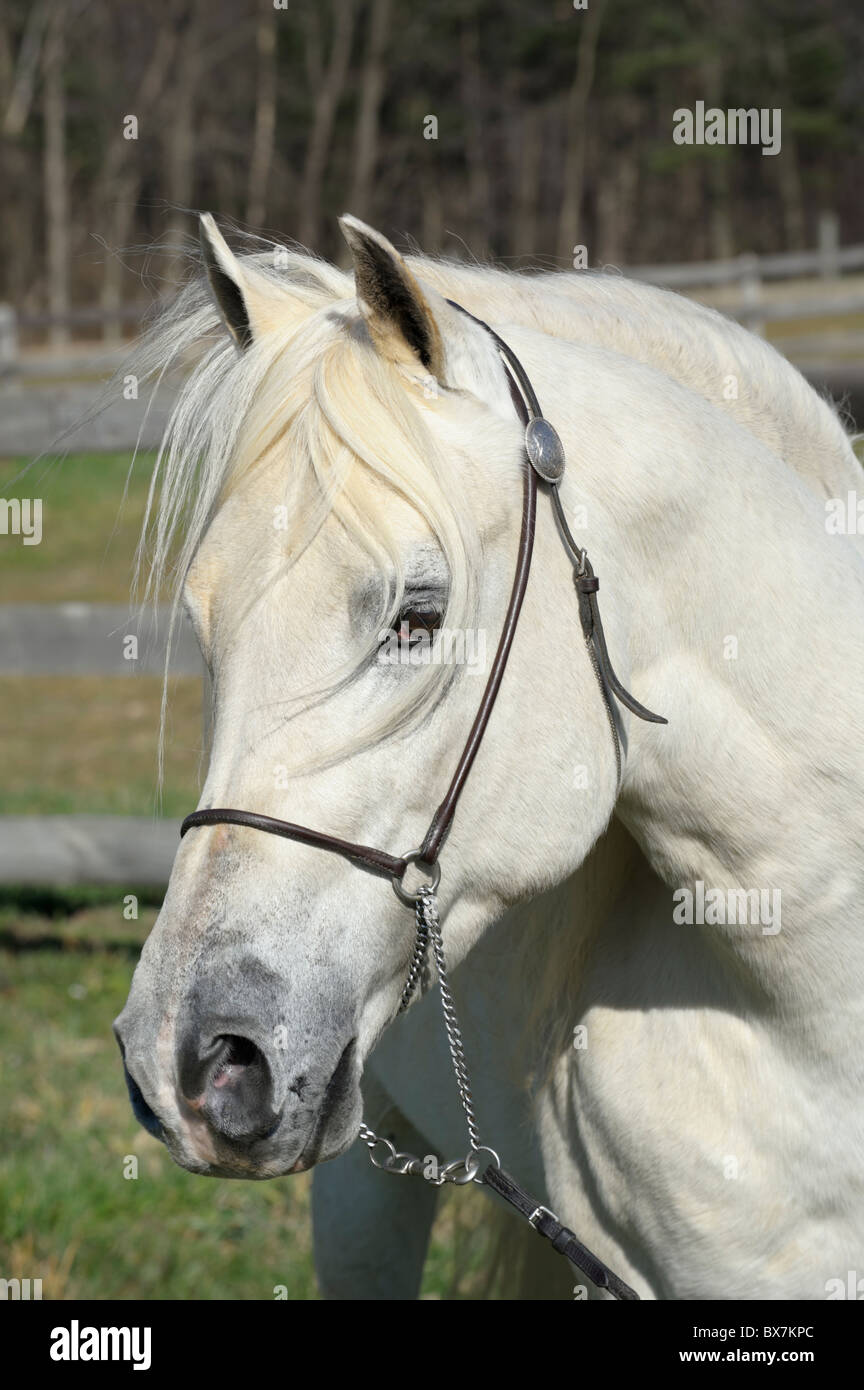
(554, 128)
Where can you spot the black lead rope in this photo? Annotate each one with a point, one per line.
(562, 1239)
(468, 1169)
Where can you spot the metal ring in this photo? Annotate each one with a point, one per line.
(410, 899)
(484, 1148)
(469, 1165)
(372, 1145)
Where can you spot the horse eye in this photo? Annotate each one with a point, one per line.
(417, 619)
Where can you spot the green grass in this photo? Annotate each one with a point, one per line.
(71, 1217)
(89, 534)
(67, 1213)
(88, 744)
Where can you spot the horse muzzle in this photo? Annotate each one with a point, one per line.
(248, 1100)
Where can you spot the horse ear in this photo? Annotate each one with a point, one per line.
(398, 313)
(251, 304)
(226, 281)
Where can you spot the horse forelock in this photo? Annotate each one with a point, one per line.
(315, 406)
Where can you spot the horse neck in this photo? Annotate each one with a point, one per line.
(744, 624)
(529, 967)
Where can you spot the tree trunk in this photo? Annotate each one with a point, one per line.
(528, 143)
(180, 136)
(616, 202)
(479, 185)
(372, 89)
(265, 116)
(432, 211)
(125, 191)
(121, 178)
(786, 163)
(719, 192)
(55, 178)
(576, 131)
(19, 81)
(16, 178)
(325, 105)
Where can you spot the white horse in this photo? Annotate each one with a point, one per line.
(672, 1071)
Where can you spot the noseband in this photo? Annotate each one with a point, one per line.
(544, 463)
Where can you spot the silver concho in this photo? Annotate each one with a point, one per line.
(545, 450)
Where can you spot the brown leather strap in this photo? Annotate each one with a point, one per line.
(376, 860)
(587, 585)
(444, 815)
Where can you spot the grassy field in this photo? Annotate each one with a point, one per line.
(88, 744)
(89, 533)
(67, 1213)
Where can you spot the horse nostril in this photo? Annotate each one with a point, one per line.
(226, 1078)
(237, 1056)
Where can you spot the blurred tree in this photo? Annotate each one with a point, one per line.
(327, 85)
(371, 91)
(54, 171)
(266, 33)
(478, 127)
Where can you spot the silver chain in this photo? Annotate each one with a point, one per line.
(451, 1023)
(460, 1170)
(421, 946)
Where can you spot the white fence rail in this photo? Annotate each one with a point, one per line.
(787, 266)
(93, 639)
(827, 261)
(750, 273)
(130, 851)
(74, 639)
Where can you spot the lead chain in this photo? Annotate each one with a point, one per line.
(421, 946)
(429, 904)
(460, 1170)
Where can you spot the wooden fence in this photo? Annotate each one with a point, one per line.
(90, 639)
(828, 262)
(749, 274)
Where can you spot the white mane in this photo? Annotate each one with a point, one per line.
(696, 346)
(320, 405)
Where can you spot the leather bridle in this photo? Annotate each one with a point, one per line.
(545, 460)
(544, 463)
